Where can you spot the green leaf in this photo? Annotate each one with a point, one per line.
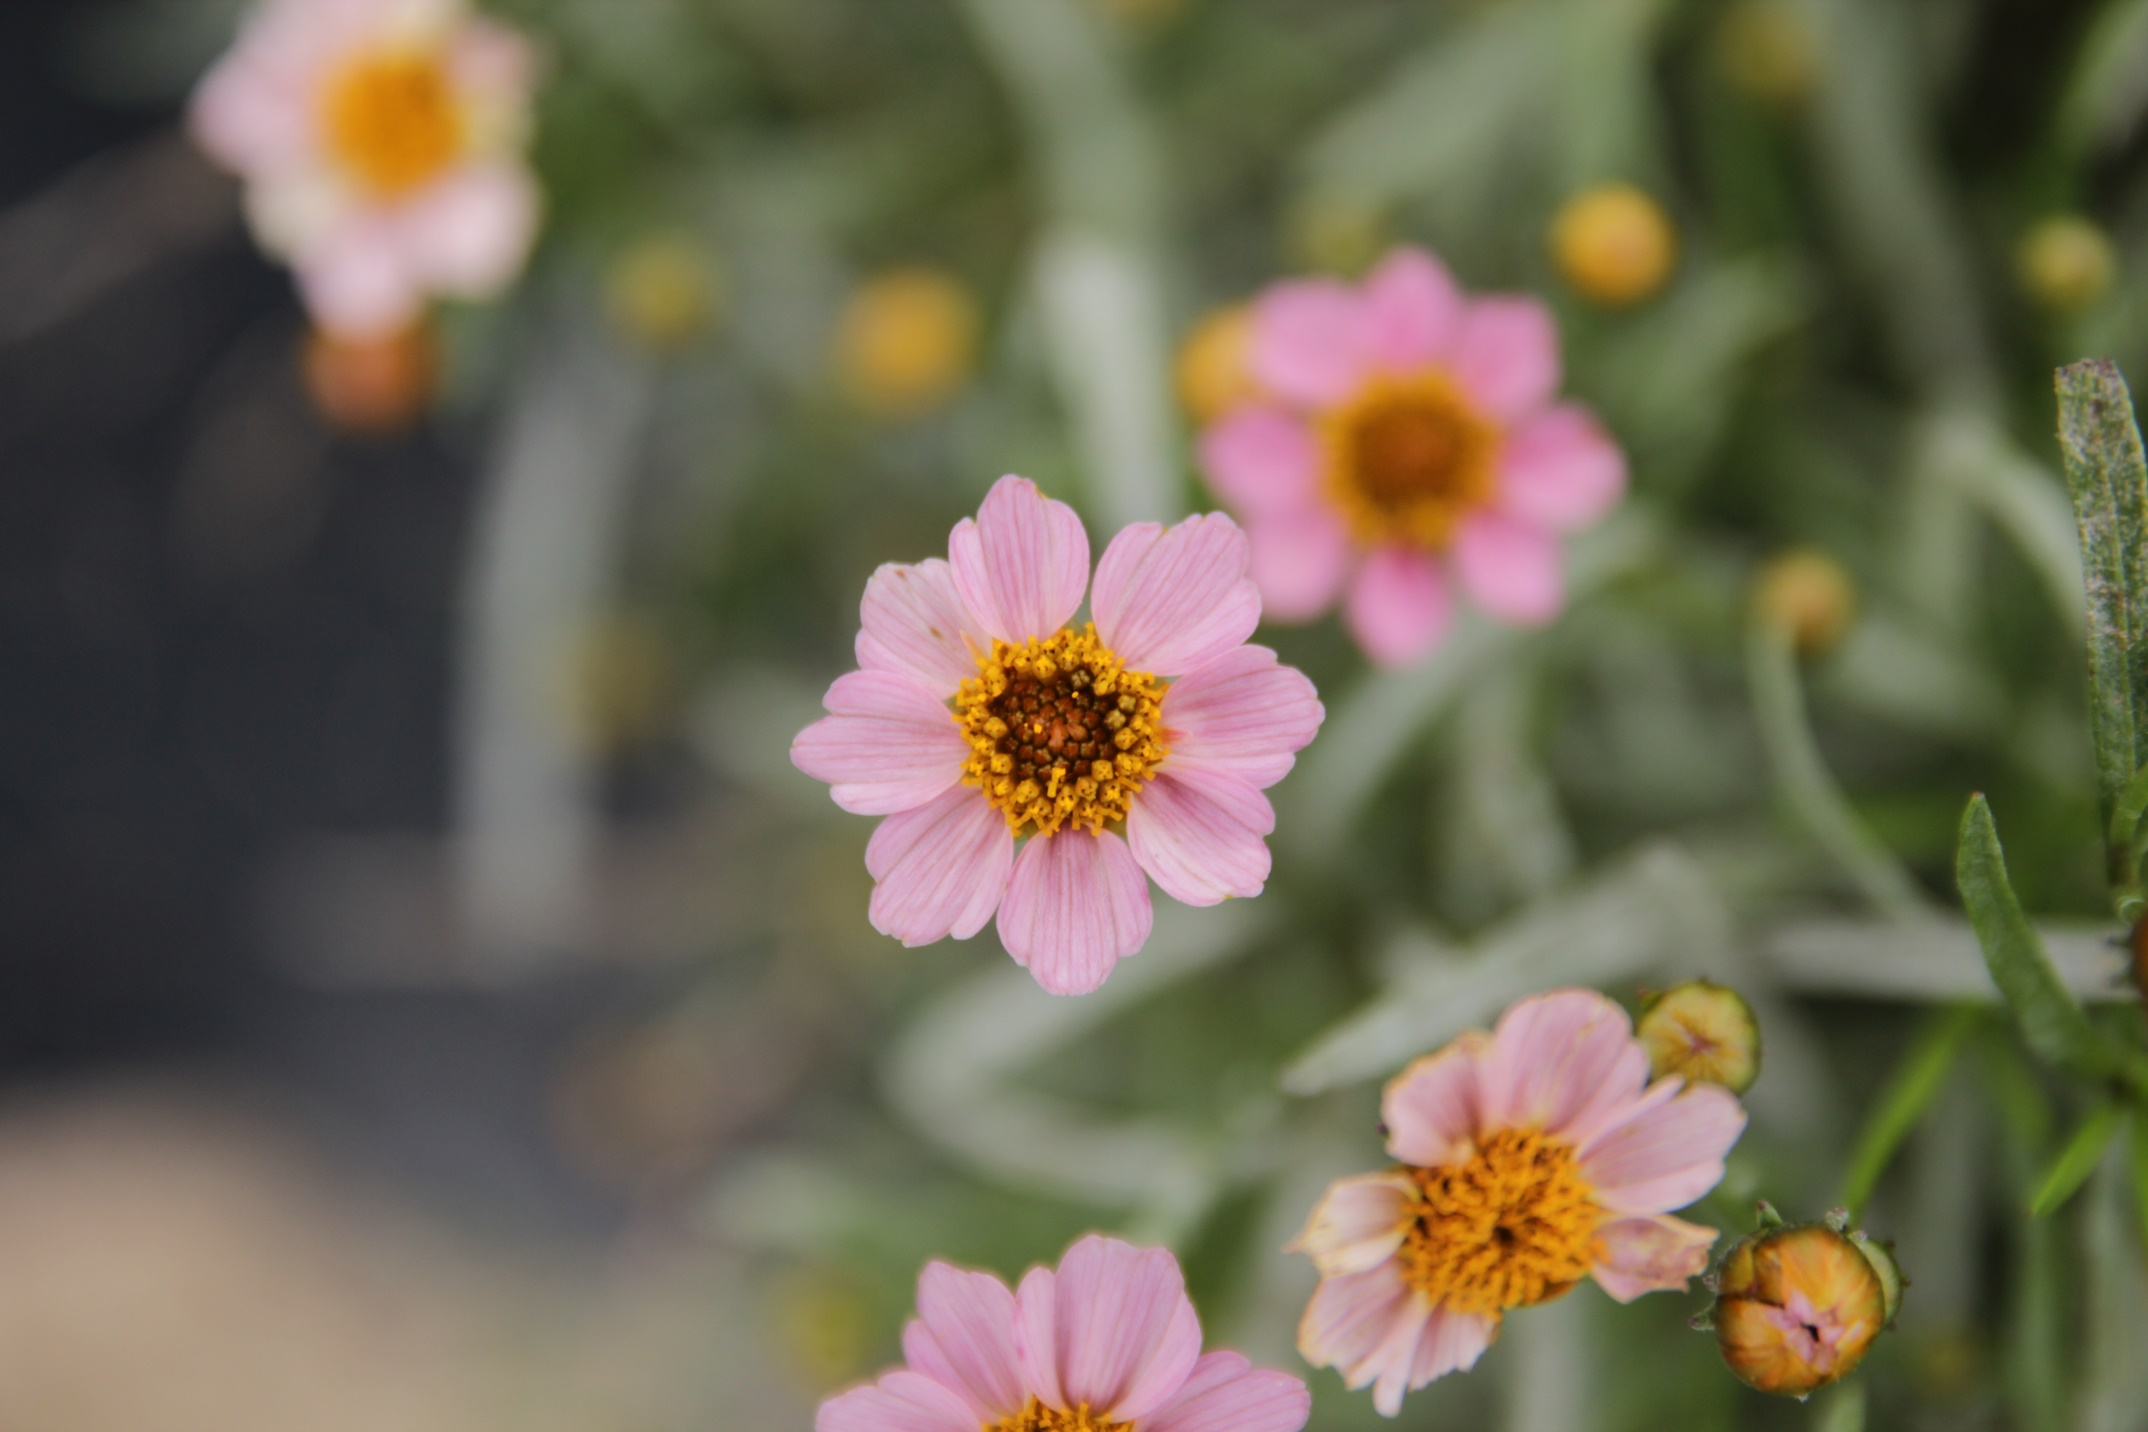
(2108, 477)
(2076, 1161)
(1917, 1081)
(2052, 1023)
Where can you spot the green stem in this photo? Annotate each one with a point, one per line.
(1916, 1082)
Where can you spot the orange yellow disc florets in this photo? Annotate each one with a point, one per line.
(1061, 733)
(392, 120)
(1036, 1417)
(1513, 1224)
(1407, 458)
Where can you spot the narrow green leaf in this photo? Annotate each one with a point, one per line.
(1916, 1082)
(2052, 1023)
(2108, 479)
(2076, 1161)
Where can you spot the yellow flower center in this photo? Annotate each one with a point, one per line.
(1060, 731)
(1515, 1224)
(1407, 458)
(392, 121)
(1036, 1417)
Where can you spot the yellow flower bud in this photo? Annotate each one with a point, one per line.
(1212, 364)
(907, 342)
(663, 293)
(1809, 594)
(1704, 1033)
(1767, 51)
(2066, 264)
(372, 386)
(1796, 1307)
(1614, 245)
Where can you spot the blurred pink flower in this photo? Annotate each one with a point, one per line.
(1109, 1343)
(381, 143)
(1530, 1158)
(1402, 439)
(979, 715)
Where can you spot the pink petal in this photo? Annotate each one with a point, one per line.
(1224, 1394)
(1413, 310)
(1507, 357)
(887, 744)
(963, 1339)
(356, 284)
(1244, 713)
(1077, 904)
(898, 1402)
(941, 868)
(1398, 607)
(1558, 1059)
(1391, 1366)
(1510, 568)
(1650, 1255)
(1434, 1109)
(1124, 1336)
(251, 114)
(1036, 1335)
(1169, 600)
(1022, 565)
(1358, 1223)
(492, 63)
(1199, 833)
(1560, 470)
(1261, 461)
(1452, 1342)
(1310, 343)
(469, 235)
(1299, 560)
(1352, 1315)
(912, 619)
(1667, 1157)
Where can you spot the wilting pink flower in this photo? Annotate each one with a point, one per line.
(1109, 1343)
(1405, 439)
(1530, 1158)
(381, 142)
(979, 715)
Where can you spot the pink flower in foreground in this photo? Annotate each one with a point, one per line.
(1109, 1343)
(1404, 439)
(979, 715)
(381, 144)
(1530, 1158)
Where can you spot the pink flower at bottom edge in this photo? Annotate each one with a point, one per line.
(1108, 1341)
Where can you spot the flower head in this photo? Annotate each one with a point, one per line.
(1107, 1343)
(1403, 441)
(381, 144)
(1703, 1032)
(980, 717)
(907, 341)
(1529, 1158)
(1614, 244)
(1797, 1307)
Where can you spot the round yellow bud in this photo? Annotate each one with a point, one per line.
(1211, 369)
(907, 342)
(1767, 51)
(2066, 264)
(1614, 245)
(373, 386)
(1796, 1308)
(663, 293)
(1704, 1033)
(1336, 235)
(1810, 595)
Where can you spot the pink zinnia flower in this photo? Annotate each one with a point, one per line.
(381, 144)
(1530, 1158)
(979, 715)
(1404, 439)
(1109, 1343)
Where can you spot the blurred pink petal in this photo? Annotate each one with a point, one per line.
(1656, 1254)
(1667, 1157)
(886, 745)
(1202, 840)
(1311, 341)
(1170, 600)
(1075, 906)
(1225, 1394)
(1554, 1055)
(1560, 470)
(358, 286)
(1022, 564)
(1398, 607)
(1413, 310)
(1510, 568)
(916, 623)
(898, 1402)
(1244, 713)
(940, 868)
(470, 234)
(1299, 560)
(963, 1339)
(1507, 357)
(1433, 1108)
(1261, 461)
(1358, 1223)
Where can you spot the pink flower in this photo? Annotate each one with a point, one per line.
(979, 715)
(1404, 439)
(1109, 1343)
(381, 144)
(1530, 1158)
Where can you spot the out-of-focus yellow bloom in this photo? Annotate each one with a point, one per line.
(1768, 51)
(1212, 372)
(823, 1322)
(664, 293)
(1614, 245)
(1797, 1308)
(1704, 1033)
(2066, 263)
(907, 341)
(372, 386)
(1336, 235)
(616, 683)
(1809, 594)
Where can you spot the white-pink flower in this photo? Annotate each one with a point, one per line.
(979, 715)
(1530, 1158)
(1108, 1343)
(381, 143)
(1401, 439)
